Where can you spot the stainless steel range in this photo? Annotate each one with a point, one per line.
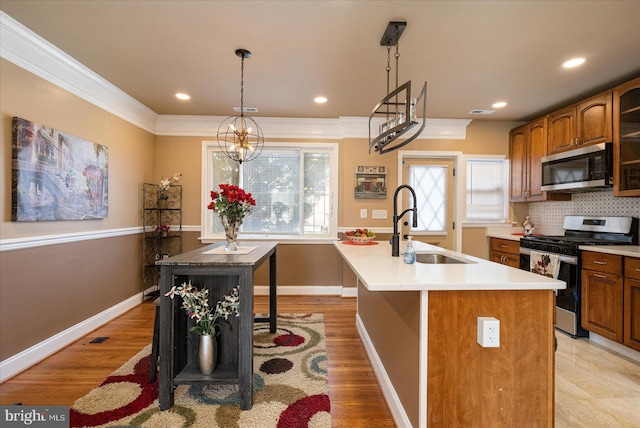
(578, 230)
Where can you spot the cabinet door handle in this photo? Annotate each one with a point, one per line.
(600, 275)
(598, 262)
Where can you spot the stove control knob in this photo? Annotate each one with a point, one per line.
(565, 250)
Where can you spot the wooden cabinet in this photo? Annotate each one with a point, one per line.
(626, 138)
(505, 251)
(602, 294)
(527, 146)
(632, 302)
(583, 124)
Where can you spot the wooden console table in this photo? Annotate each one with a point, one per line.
(220, 273)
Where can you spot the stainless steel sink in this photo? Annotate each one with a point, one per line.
(437, 258)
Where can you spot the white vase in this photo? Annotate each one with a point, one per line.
(207, 354)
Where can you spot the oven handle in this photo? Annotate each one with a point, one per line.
(572, 260)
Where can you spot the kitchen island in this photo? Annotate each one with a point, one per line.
(219, 271)
(419, 325)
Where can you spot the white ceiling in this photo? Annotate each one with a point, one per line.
(472, 53)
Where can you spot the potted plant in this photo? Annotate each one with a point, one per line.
(162, 229)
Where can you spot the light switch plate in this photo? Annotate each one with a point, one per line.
(363, 213)
(379, 214)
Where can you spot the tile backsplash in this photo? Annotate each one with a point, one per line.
(549, 216)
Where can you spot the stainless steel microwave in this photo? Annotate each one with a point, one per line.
(586, 169)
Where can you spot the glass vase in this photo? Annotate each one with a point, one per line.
(207, 354)
(231, 233)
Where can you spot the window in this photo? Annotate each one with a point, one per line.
(487, 187)
(430, 185)
(293, 184)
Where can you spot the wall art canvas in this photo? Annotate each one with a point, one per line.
(57, 176)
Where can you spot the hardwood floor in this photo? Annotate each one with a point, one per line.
(356, 398)
(594, 387)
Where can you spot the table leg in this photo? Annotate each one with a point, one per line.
(245, 338)
(165, 381)
(273, 312)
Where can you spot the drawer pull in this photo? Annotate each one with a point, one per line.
(637, 269)
(504, 246)
(599, 275)
(598, 262)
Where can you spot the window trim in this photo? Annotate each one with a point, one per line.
(505, 182)
(304, 147)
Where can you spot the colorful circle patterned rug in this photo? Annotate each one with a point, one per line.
(290, 388)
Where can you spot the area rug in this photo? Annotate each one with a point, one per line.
(290, 388)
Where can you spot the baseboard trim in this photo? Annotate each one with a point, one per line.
(300, 290)
(349, 291)
(27, 358)
(390, 395)
(615, 347)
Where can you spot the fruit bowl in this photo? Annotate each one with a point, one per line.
(362, 239)
(360, 236)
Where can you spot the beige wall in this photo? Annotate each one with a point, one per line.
(183, 154)
(46, 290)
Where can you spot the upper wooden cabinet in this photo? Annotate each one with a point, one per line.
(626, 139)
(527, 146)
(583, 124)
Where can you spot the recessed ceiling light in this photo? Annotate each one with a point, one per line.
(182, 96)
(499, 104)
(573, 62)
(320, 100)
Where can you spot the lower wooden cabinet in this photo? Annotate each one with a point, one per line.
(632, 302)
(505, 251)
(602, 304)
(611, 297)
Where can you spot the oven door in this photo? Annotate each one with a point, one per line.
(567, 300)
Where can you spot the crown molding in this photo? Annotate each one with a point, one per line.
(31, 52)
(272, 127)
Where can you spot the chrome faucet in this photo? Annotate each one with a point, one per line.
(395, 239)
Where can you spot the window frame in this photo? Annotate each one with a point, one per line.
(209, 146)
(505, 186)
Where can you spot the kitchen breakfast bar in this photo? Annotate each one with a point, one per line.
(418, 323)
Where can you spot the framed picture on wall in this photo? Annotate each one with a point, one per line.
(56, 176)
(371, 182)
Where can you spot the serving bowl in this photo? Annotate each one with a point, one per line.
(361, 239)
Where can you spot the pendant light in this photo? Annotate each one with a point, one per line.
(399, 109)
(240, 137)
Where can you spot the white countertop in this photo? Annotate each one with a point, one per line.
(621, 250)
(379, 271)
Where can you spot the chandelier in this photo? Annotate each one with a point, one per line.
(240, 137)
(399, 109)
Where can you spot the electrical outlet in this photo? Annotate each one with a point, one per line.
(379, 214)
(363, 213)
(489, 332)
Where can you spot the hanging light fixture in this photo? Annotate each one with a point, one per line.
(400, 111)
(240, 137)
